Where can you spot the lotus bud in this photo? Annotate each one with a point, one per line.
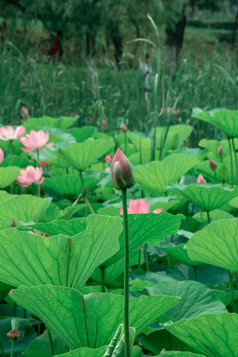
(13, 223)
(124, 128)
(121, 171)
(13, 335)
(212, 165)
(104, 123)
(201, 180)
(220, 150)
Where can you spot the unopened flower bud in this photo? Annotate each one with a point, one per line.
(124, 128)
(13, 335)
(13, 223)
(220, 150)
(104, 123)
(201, 180)
(121, 171)
(84, 191)
(212, 165)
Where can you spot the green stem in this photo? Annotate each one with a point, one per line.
(231, 286)
(234, 149)
(24, 313)
(38, 190)
(12, 348)
(50, 341)
(146, 257)
(14, 309)
(195, 273)
(215, 176)
(208, 217)
(11, 154)
(2, 349)
(37, 157)
(125, 141)
(83, 191)
(126, 273)
(232, 179)
(103, 279)
(139, 260)
(38, 328)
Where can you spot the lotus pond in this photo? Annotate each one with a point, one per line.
(97, 266)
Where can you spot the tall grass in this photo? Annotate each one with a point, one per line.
(57, 89)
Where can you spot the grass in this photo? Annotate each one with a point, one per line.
(206, 77)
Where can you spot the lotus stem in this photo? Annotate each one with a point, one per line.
(231, 286)
(208, 217)
(2, 349)
(12, 348)
(126, 273)
(102, 269)
(231, 161)
(125, 142)
(146, 257)
(215, 176)
(234, 149)
(195, 273)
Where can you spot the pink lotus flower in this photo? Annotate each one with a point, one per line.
(30, 175)
(121, 171)
(35, 140)
(104, 123)
(1, 156)
(73, 115)
(124, 128)
(109, 158)
(201, 180)
(140, 206)
(24, 112)
(43, 235)
(9, 133)
(175, 112)
(45, 163)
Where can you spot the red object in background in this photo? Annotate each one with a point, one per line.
(56, 49)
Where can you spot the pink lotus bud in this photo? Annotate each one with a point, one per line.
(220, 150)
(24, 111)
(201, 180)
(104, 123)
(13, 223)
(13, 335)
(121, 171)
(212, 165)
(1, 156)
(124, 128)
(10, 292)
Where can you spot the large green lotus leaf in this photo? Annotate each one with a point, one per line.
(28, 259)
(176, 135)
(40, 346)
(216, 244)
(180, 252)
(8, 175)
(16, 147)
(208, 197)
(224, 120)
(179, 354)
(84, 352)
(66, 227)
(212, 146)
(139, 141)
(196, 299)
(143, 158)
(215, 335)
(21, 161)
(59, 136)
(148, 228)
(157, 175)
(215, 215)
(37, 123)
(89, 320)
(82, 134)
(23, 208)
(82, 155)
(69, 184)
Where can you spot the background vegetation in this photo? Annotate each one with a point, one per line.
(99, 45)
